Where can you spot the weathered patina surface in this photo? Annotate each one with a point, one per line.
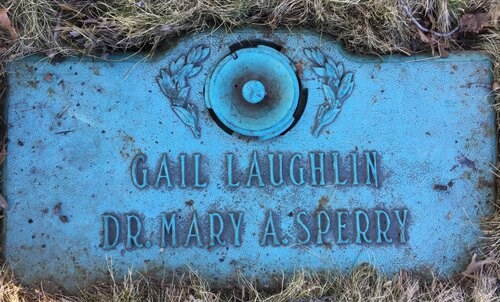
(164, 164)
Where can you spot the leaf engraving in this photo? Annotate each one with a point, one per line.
(183, 94)
(318, 56)
(338, 86)
(176, 65)
(166, 84)
(188, 116)
(325, 116)
(174, 83)
(329, 94)
(196, 70)
(331, 70)
(193, 55)
(340, 69)
(320, 71)
(346, 86)
(185, 70)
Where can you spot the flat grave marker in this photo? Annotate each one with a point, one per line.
(249, 153)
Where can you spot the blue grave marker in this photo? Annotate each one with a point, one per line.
(250, 153)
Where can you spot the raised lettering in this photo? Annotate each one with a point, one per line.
(315, 168)
(341, 226)
(301, 171)
(371, 168)
(193, 231)
(183, 170)
(230, 182)
(254, 171)
(271, 169)
(168, 229)
(383, 233)
(236, 227)
(322, 231)
(134, 229)
(138, 159)
(306, 230)
(270, 230)
(108, 221)
(163, 173)
(336, 169)
(354, 168)
(362, 233)
(402, 225)
(215, 236)
(197, 183)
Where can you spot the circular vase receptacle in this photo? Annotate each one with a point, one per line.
(254, 92)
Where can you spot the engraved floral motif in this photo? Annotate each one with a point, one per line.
(337, 88)
(174, 83)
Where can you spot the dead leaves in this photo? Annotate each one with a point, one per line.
(423, 37)
(6, 24)
(476, 266)
(474, 23)
(433, 42)
(496, 87)
(469, 23)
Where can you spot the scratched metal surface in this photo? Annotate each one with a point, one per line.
(76, 126)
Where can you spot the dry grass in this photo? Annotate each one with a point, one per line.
(363, 284)
(9, 289)
(88, 26)
(99, 28)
